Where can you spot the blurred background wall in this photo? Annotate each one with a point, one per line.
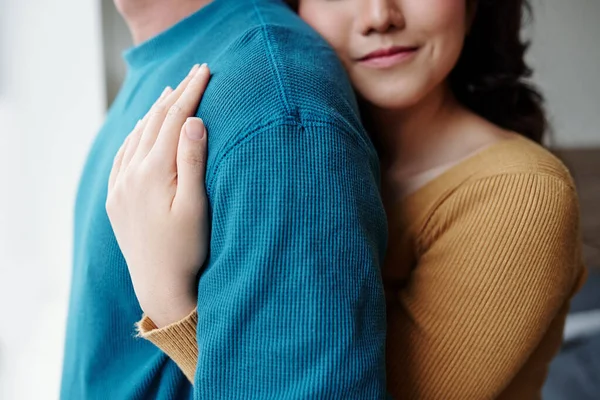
(565, 55)
(52, 101)
(60, 66)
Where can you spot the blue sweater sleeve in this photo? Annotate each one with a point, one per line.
(291, 303)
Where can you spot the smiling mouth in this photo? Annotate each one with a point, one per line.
(385, 58)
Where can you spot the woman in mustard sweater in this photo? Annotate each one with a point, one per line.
(484, 243)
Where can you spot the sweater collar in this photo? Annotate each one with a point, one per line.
(176, 37)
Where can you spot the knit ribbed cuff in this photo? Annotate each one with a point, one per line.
(177, 340)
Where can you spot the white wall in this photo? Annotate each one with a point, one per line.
(51, 105)
(116, 37)
(566, 55)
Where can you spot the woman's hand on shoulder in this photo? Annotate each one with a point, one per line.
(157, 203)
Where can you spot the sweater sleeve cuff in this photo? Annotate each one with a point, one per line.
(177, 340)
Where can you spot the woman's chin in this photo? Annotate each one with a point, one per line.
(391, 100)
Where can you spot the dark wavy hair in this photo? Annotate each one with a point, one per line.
(491, 75)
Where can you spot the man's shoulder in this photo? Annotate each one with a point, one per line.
(308, 73)
(277, 70)
(283, 67)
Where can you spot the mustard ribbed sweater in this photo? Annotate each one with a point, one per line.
(481, 265)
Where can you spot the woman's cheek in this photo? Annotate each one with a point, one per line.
(435, 15)
(441, 18)
(330, 20)
(442, 25)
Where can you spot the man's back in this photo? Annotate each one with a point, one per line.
(282, 124)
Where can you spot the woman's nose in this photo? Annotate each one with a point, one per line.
(379, 16)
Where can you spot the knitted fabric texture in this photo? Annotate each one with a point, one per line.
(481, 265)
(291, 303)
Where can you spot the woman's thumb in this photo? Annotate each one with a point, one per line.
(191, 159)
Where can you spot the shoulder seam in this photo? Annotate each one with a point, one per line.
(274, 65)
(282, 120)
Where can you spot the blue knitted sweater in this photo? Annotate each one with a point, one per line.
(290, 300)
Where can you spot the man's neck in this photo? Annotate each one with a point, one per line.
(148, 18)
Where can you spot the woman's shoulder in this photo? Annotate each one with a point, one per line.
(507, 174)
(512, 174)
(515, 155)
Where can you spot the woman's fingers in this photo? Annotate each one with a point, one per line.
(114, 173)
(165, 93)
(136, 134)
(157, 118)
(186, 105)
(191, 163)
(173, 106)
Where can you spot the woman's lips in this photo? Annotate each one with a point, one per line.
(386, 58)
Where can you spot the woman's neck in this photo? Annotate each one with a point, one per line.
(419, 143)
(409, 136)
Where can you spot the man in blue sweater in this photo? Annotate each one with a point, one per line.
(290, 302)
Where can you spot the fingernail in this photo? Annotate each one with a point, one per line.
(200, 71)
(193, 70)
(194, 128)
(166, 91)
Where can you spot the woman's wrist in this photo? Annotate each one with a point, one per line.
(171, 313)
(168, 305)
